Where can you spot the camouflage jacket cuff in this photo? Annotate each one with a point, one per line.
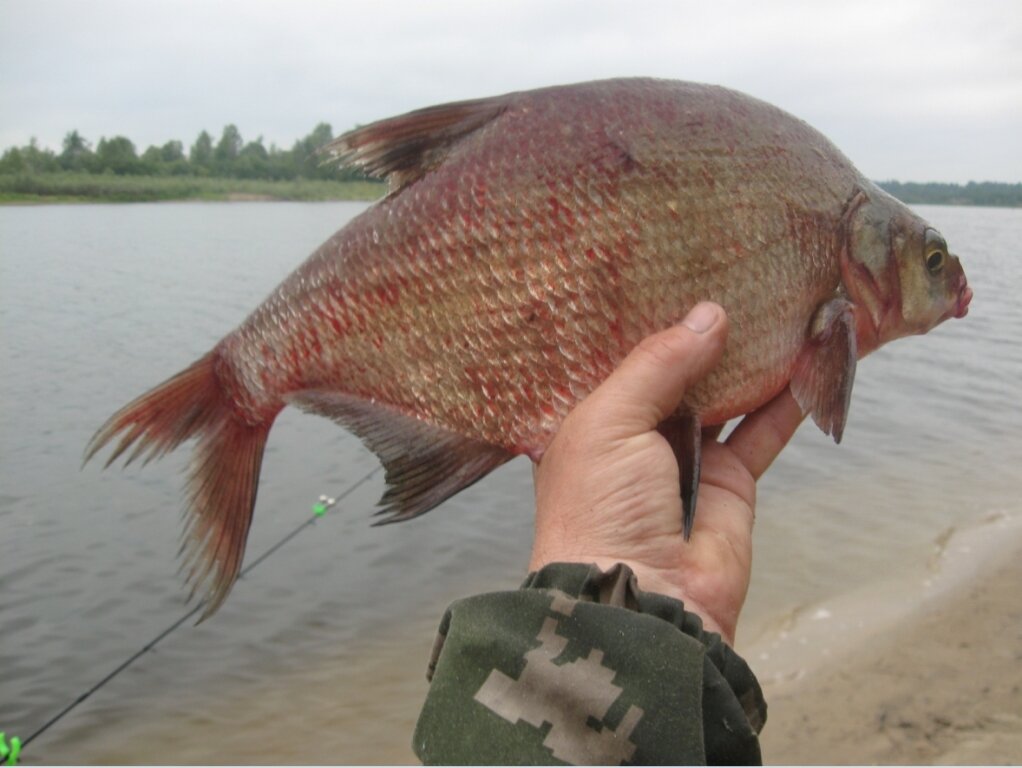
(580, 666)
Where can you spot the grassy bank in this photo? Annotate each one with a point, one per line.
(108, 188)
(62, 186)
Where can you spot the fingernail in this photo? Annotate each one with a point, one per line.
(702, 317)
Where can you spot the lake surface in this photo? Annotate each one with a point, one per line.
(319, 653)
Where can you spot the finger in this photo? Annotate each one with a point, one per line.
(723, 469)
(761, 435)
(650, 383)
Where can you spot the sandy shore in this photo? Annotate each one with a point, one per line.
(854, 682)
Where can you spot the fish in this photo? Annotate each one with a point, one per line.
(527, 242)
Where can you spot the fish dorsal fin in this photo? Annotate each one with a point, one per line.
(401, 149)
(424, 464)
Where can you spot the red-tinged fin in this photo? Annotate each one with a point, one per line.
(223, 475)
(684, 434)
(425, 464)
(825, 370)
(160, 420)
(223, 481)
(401, 149)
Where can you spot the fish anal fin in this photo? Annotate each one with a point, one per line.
(684, 435)
(825, 369)
(401, 149)
(424, 464)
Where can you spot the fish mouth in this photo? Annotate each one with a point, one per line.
(964, 297)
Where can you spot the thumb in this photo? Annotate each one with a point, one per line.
(650, 383)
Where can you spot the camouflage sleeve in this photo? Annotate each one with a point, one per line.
(580, 667)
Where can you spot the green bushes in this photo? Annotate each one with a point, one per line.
(230, 157)
(210, 170)
(988, 193)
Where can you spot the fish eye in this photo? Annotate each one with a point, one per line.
(935, 250)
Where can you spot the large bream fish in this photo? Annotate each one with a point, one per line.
(528, 242)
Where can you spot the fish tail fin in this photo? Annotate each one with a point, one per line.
(223, 474)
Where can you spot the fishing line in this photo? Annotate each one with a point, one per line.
(318, 510)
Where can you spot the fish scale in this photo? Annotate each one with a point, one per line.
(528, 243)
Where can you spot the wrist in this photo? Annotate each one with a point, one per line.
(647, 579)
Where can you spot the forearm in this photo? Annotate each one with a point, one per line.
(579, 666)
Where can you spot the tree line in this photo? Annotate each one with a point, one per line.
(231, 157)
(988, 193)
(227, 157)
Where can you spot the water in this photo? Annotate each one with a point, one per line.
(319, 653)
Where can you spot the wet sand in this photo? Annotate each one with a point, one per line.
(940, 684)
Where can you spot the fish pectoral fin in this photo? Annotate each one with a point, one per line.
(684, 435)
(825, 370)
(401, 149)
(424, 464)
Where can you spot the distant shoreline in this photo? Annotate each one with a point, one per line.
(988, 194)
(66, 187)
(46, 188)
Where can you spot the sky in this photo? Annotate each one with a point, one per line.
(914, 91)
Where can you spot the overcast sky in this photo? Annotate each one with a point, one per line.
(925, 91)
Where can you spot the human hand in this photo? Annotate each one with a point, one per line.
(608, 486)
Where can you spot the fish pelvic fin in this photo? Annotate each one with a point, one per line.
(825, 369)
(223, 474)
(402, 149)
(424, 464)
(684, 435)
